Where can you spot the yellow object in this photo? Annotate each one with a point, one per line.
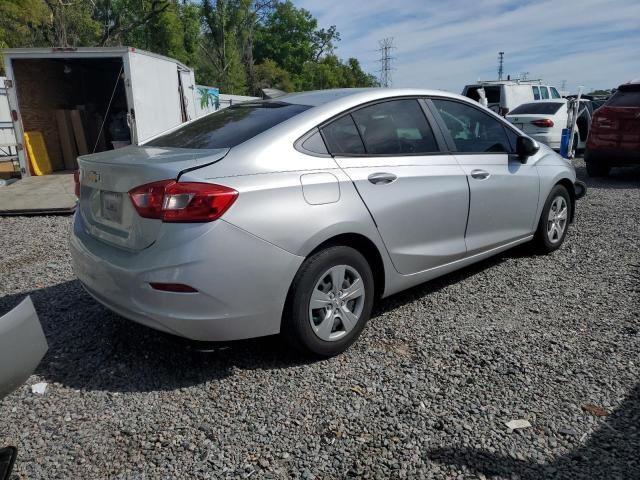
(37, 152)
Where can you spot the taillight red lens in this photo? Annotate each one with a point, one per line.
(544, 123)
(76, 181)
(172, 201)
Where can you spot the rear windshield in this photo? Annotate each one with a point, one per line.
(630, 98)
(492, 93)
(542, 108)
(231, 126)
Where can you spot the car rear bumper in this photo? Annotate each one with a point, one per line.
(548, 139)
(241, 280)
(615, 157)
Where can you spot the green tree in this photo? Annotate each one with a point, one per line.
(23, 23)
(269, 75)
(331, 72)
(290, 37)
(240, 46)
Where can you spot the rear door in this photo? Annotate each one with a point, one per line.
(504, 191)
(156, 95)
(417, 195)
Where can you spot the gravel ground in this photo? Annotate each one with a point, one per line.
(423, 394)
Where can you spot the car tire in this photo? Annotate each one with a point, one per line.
(553, 224)
(343, 309)
(595, 166)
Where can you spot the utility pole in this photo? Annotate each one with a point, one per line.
(386, 45)
(500, 64)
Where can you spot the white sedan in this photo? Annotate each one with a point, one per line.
(544, 120)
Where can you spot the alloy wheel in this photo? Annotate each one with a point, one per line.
(557, 219)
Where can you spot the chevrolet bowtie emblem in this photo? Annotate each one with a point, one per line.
(93, 177)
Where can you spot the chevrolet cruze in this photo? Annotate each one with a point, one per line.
(293, 215)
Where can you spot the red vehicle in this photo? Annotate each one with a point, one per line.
(614, 138)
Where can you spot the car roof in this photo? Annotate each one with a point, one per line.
(321, 97)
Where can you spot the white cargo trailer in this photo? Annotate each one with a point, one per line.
(123, 95)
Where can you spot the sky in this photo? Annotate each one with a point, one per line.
(448, 44)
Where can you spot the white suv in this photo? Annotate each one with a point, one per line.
(504, 95)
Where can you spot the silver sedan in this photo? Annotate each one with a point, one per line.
(293, 215)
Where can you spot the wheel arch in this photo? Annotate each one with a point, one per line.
(568, 184)
(367, 248)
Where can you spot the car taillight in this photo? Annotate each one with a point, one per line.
(172, 201)
(544, 123)
(76, 181)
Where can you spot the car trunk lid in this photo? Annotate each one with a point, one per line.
(106, 179)
(525, 122)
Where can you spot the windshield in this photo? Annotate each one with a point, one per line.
(540, 108)
(231, 126)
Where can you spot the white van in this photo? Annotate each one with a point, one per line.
(505, 95)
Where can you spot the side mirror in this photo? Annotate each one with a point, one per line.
(526, 147)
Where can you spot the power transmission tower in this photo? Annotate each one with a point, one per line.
(564, 85)
(524, 75)
(386, 45)
(500, 64)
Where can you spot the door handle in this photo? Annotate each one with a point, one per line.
(480, 174)
(382, 178)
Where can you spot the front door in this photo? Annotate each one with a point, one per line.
(417, 195)
(504, 191)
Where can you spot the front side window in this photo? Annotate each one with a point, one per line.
(536, 93)
(472, 130)
(554, 93)
(231, 126)
(544, 93)
(396, 127)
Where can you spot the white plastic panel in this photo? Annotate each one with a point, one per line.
(156, 99)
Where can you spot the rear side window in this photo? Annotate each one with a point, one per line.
(625, 99)
(342, 137)
(536, 93)
(231, 126)
(544, 93)
(472, 130)
(396, 127)
(554, 93)
(537, 108)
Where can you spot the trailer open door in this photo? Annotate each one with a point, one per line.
(156, 95)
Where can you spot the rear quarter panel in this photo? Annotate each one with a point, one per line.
(273, 206)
